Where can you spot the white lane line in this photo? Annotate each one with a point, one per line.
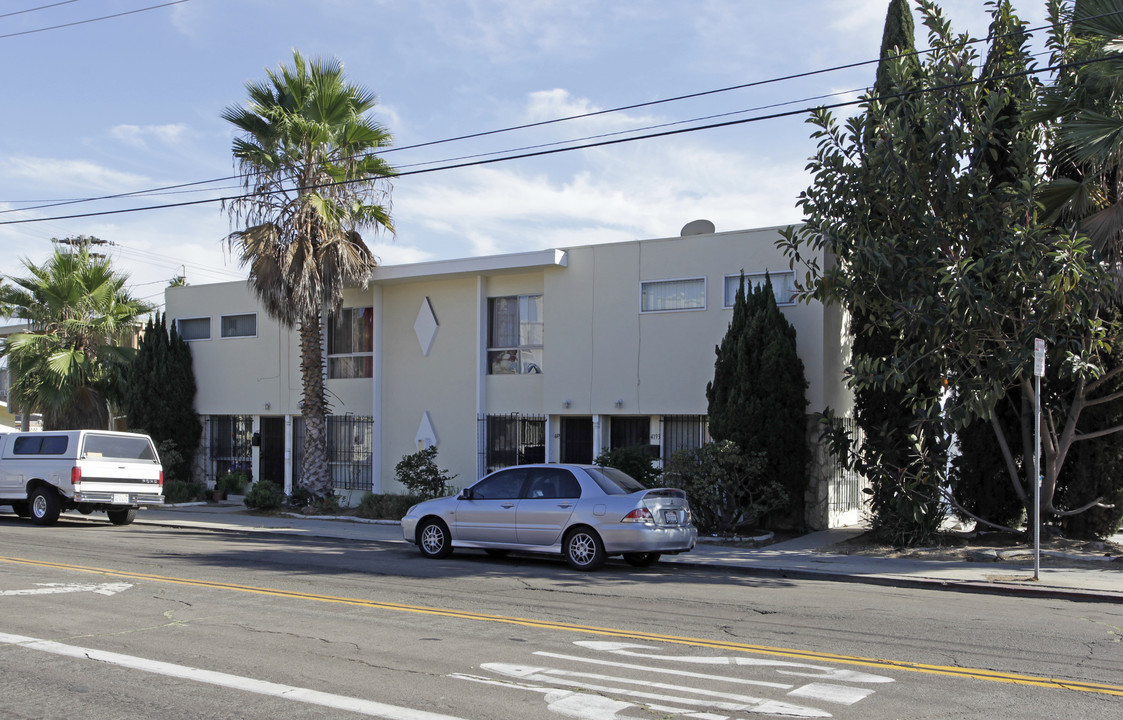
(667, 671)
(720, 701)
(841, 694)
(261, 687)
(783, 667)
(56, 588)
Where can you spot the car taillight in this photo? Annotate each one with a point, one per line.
(75, 476)
(161, 478)
(642, 515)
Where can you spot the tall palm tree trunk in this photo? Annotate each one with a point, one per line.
(314, 467)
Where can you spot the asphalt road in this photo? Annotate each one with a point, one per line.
(105, 622)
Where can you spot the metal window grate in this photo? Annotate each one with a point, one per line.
(229, 444)
(505, 440)
(350, 451)
(684, 432)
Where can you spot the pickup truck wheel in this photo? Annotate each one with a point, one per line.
(19, 507)
(121, 517)
(44, 506)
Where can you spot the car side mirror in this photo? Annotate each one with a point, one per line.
(467, 494)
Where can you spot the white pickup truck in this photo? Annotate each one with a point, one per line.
(44, 473)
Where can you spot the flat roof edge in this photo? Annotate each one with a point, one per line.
(473, 265)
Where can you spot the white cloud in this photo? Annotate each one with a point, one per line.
(138, 135)
(70, 174)
(511, 30)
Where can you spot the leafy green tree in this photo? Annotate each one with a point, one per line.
(757, 397)
(82, 321)
(958, 266)
(307, 153)
(1082, 112)
(890, 428)
(158, 396)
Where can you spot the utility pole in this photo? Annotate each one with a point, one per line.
(84, 242)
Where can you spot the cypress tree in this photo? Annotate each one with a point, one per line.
(159, 395)
(757, 398)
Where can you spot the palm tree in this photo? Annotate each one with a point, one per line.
(1086, 116)
(311, 179)
(81, 322)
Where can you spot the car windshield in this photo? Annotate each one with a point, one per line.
(613, 481)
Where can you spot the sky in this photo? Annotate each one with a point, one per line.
(134, 102)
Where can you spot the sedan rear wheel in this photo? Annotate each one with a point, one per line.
(642, 559)
(584, 549)
(433, 539)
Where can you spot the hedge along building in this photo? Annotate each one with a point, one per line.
(550, 355)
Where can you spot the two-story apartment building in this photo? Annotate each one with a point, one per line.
(550, 355)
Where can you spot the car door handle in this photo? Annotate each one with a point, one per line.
(565, 505)
(507, 505)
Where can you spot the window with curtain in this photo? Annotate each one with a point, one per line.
(244, 325)
(783, 286)
(351, 343)
(514, 335)
(665, 295)
(194, 328)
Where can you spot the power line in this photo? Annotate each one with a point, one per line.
(161, 190)
(603, 143)
(41, 7)
(622, 108)
(91, 20)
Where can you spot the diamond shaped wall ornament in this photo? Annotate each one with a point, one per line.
(425, 326)
(426, 435)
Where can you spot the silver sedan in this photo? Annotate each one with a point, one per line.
(583, 512)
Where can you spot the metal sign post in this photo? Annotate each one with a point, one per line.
(1038, 372)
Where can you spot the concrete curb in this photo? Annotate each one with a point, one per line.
(1017, 589)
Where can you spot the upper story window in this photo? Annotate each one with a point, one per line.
(514, 334)
(194, 328)
(244, 325)
(351, 343)
(783, 286)
(665, 295)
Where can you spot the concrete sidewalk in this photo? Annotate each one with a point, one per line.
(805, 557)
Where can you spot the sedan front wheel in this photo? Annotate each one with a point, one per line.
(434, 540)
(584, 549)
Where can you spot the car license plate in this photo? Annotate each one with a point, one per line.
(120, 499)
(670, 517)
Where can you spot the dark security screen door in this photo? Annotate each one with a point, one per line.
(577, 440)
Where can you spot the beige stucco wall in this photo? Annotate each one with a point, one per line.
(598, 347)
(238, 375)
(601, 349)
(443, 383)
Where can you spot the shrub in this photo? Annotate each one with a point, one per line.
(233, 483)
(181, 491)
(635, 461)
(171, 460)
(421, 476)
(728, 490)
(385, 507)
(265, 495)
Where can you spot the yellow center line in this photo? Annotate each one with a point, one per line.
(962, 672)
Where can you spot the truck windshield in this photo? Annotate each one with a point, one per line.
(117, 447)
